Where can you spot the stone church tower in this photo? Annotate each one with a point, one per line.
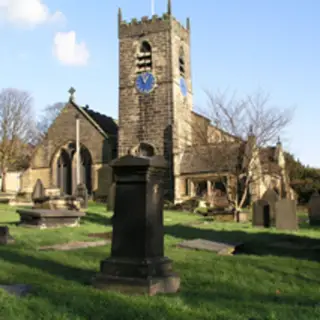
(155, 89)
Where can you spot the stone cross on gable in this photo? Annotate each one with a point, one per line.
(72, 92)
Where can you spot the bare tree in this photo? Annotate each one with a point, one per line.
(17, 128)
(47, 117)
(237, 132)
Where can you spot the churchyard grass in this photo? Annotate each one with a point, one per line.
(261, 282)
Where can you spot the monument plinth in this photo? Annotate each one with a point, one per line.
(137, 263)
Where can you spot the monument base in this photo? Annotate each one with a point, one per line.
(149, 276)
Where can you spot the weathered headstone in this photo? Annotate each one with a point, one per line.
(261, 214)
(286, 215)
(314, 209)
(81, 192)
(271, 197)
(5, 237)
(137, 263)
(38, 190)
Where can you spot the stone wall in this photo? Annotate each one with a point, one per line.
(30, 176)
(102, 180)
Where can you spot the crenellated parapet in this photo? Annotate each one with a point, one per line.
(139, 27)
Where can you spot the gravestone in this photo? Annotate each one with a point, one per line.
(82, 193)
(261, 214)
(137, 263)
(286, 215)
(5, 237)
(314, 209)
(271, 197)
(38, 190)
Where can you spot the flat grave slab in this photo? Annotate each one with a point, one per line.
(103, 235)
(46, 218)
(206, 245)
(16, 289)
(74, 245)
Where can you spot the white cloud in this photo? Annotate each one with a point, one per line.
(28, 13)
(68, 51)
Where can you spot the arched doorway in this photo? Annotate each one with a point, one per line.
(86, 169)
(64, 172)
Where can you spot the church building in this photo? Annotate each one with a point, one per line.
(155, 117)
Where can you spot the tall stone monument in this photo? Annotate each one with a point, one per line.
(137, 263)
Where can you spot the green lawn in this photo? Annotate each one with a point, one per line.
(259, 283)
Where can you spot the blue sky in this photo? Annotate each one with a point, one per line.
(237, 45)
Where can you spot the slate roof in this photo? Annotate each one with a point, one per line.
(212, 158)
(226, 157)
(107, 124)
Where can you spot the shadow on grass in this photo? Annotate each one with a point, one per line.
(11, 223)
(224, 301)
(218, 299)
(96, 218)
(82, 276)
(229, 294)
(259, 243)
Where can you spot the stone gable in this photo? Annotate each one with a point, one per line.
(63, 131)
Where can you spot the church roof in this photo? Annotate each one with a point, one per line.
(227, 157)
(211, 158)
(107, 124)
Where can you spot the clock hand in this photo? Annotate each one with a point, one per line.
(145, 78)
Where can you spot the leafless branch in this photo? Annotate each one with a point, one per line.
(17, 127)
(235, 132)
(47, 117)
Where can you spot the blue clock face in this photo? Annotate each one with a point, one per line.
(145, 82)
(183, 87)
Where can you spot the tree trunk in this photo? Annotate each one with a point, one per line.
(4, 178)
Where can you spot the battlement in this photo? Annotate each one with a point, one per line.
(151, 25)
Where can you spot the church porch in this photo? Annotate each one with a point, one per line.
(216, 189)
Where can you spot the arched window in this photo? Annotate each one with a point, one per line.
(86, 163)
(144, 58)
(182, 67)
(64, 172)
(143, 149)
